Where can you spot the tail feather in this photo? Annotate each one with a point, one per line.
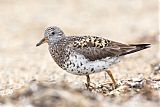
(138, 47)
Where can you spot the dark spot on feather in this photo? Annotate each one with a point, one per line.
(99, 40)
(85, 45)
(86, 73)
(78, 71)
(98, 45)
(52, 50)
(73, 65)
(84, 68)
(77, 66)
(106, 44)
(88, 53)
(92, 69)
(67, 65)
(108, 41)
(94, 45)
(101, 46)
(81, 64)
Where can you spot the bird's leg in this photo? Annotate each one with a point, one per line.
(88, 81)
(111, 76)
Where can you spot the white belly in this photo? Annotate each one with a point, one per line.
(79, 65)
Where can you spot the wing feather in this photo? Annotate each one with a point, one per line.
(95, 48)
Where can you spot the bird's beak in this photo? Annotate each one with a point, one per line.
(44, 40)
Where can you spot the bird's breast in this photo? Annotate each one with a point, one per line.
(58, 54)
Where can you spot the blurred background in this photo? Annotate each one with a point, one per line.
(22, 24)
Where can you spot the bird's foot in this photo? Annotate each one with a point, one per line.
(89, 86)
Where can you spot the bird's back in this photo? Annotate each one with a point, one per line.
(96, 48)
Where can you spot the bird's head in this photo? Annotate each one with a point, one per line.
(51, 35)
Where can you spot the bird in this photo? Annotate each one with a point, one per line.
(85, 55)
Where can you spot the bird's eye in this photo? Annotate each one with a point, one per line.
(53, 33)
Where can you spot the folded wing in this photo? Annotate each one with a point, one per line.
(95, 48)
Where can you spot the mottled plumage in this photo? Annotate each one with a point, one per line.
(84, 55)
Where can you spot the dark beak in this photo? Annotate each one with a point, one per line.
(44, 40)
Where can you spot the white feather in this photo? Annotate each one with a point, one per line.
(79, 65)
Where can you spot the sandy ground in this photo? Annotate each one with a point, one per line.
(24, 66)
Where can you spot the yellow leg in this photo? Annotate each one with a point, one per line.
(111, 76)
(88, 81)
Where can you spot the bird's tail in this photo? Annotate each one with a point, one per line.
(138, 47)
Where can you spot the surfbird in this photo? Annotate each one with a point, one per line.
(85, 55)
